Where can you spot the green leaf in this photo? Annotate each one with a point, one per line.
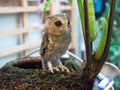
(47, 5)
(103, 25)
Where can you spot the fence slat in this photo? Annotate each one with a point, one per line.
(18, 49)
(8, 10)
(19, 31)
(24, 22)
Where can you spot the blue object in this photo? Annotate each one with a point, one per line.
(105, 84)
(98, 6)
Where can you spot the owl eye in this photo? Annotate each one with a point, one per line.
(68, 22)
(58, 23)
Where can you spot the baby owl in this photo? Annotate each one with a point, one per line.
(55, 41)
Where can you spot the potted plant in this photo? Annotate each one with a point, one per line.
(35, 79)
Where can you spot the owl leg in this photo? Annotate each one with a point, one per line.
(47, 65)
(61, 67)
(50, 67)
(54, 65)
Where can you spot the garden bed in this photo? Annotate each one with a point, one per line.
(15, 78)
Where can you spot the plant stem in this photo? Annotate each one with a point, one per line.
(81, 12)
(87, 34)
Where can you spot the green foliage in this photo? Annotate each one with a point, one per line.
(92, 22)
(91, 17)
(114, 53)
(117, 83)
(103, 25)
(72, 65)
(81, 12)
(115, 43)
(71, 1)
(47, 5)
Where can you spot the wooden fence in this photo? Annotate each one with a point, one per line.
(24, 9)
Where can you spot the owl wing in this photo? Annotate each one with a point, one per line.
(44, 44)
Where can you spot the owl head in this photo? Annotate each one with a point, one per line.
(57, 24)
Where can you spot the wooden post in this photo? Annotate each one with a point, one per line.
(73, 41)
(24, 23)
(55, 7)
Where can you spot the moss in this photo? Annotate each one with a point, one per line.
(14, 78)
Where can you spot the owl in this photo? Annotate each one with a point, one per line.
(55, 42)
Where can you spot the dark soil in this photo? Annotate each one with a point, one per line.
(14, 78)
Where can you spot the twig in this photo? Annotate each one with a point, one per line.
(87, 35)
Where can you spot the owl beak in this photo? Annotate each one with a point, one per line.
(69, 22)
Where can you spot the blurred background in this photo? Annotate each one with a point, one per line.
(22, 24)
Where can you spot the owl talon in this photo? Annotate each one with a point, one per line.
(50, 66)
(56, 69)
(51, 70)
(61, 68)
